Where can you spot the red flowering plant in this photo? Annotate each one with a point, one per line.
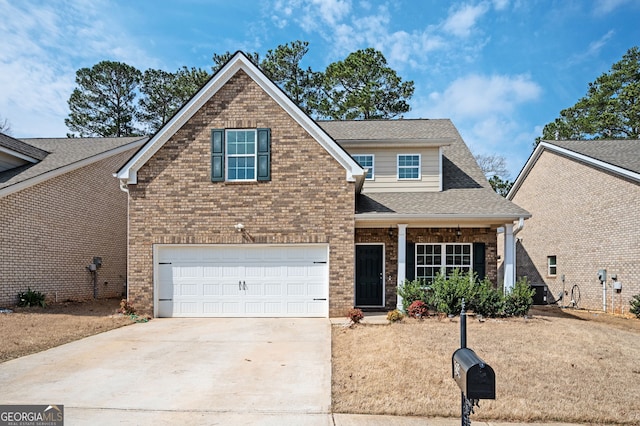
(418, 309)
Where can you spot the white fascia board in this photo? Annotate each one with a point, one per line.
(429, 220)
(238, 62)
(525, 170)
(594, 162)
(68, 168)
(18, 155)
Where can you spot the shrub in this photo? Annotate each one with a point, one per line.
(410, 291)
(126, 308)
(520, 299)
(486, 300)
(31, 298)
(395, 316)
(418, 309)
(635, 305)
(449, 292)
(355, 315)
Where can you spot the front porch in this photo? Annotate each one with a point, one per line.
(386, 256)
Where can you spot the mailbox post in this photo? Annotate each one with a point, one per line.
(475, 378)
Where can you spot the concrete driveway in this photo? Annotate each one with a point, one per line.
(184, 371)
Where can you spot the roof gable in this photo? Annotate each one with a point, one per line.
(15, 153)
(238, 62)
(621, 157)
(63, 155)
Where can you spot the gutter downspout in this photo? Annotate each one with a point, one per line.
(123, 187)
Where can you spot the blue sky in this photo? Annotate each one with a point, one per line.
(500, 69)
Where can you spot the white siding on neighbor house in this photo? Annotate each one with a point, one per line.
(386, 170)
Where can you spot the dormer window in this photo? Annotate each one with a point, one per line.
(408, 166)
(367, 162)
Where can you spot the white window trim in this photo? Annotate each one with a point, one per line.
(443, 254)
(373, 165)
(407, 167)
(227, 155)
(555, 265)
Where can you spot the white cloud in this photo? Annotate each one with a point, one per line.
(42, 47)
(485, 110)
(476, 95)
(500, 4)
(607, 6)
(461, 21)
(593, 50)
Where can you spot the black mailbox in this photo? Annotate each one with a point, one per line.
(475, 378)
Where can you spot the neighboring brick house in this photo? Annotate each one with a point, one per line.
(59, 208)
(584, 197)
(242, 205)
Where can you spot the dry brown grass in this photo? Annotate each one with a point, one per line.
(31, 330)
(557, 366)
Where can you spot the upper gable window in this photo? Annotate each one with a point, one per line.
(240, 155)
(367, 162)
(408, 166)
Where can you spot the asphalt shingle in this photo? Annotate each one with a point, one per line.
(624, 153)
(62, 152)
(21, 147)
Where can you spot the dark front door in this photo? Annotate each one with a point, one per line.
(369, 280)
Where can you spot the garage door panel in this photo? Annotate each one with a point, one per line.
(211, 308)
(315, 290)
(212, 271)
(230, 307)
(273, 289)
(230, 289)
(296, 289)
(238, 281)
(211, 289)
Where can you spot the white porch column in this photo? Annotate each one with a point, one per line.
(402, 260)
(509, 258)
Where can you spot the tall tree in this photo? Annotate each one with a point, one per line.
(220, 59)
(189, 81)
(5, 126)
(363, 87)
(158, 102)
(610, 109)
(163, 93)
(282, 65)
(103, 104)
(494, 168)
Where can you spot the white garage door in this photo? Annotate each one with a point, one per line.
(242, 281)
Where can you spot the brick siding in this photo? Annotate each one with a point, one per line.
(308, 199)
(426, 235)
(588, 219)
(51, 232)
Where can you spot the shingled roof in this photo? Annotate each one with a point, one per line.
(466, 192)
(63, 154)
(21, 147)
(618, 156)
(622, 153)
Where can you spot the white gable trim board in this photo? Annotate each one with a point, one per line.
(241, 280)
(239, 62)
